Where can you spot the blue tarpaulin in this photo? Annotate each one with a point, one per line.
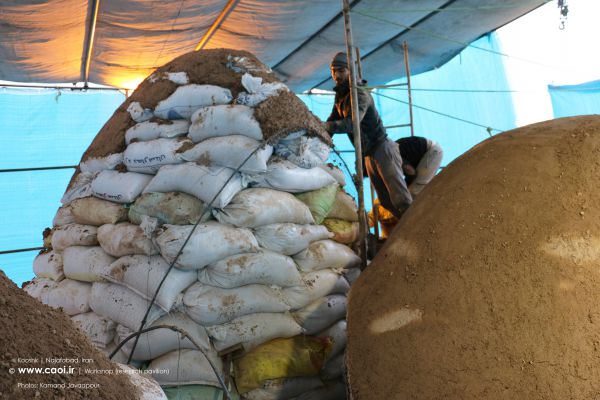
(453, 105)
(571, 100)
(41, 128)
(458, 105)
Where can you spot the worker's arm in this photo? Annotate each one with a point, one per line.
(344, 125)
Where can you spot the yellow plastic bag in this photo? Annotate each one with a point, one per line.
(345, 232)
(281, 358)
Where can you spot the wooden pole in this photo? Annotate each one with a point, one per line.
(362, 233)
(406, 65)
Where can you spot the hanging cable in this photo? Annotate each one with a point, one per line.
(22, 250)
(171, 266)
(37, 169)
(451, 40)
(461, 9)
(489, 129)
(185, 335)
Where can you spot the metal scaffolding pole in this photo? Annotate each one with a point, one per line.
(407, 66)
(362, 244)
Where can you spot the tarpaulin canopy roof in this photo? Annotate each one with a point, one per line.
(118, 43)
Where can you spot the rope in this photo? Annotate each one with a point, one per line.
(21, 250)
(206, 210)
(451, 40)
(432, 10)
(185, 334)
(488, 128)
(37, 169)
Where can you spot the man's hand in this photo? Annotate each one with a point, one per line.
(409, 170)
(328, 126)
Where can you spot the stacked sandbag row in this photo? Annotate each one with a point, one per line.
(258, 270)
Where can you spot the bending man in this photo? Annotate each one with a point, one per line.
(381, 155)
(421, 159)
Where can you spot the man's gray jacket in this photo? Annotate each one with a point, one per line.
(371, 126)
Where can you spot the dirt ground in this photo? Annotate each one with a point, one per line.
(37, 336)
(489, 286)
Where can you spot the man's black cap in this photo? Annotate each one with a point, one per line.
(339, 61)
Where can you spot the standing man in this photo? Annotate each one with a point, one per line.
(422, 158)
(381, 155)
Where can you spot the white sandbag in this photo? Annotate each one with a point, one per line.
(324, 254)
(224, 120)
(251, 208)
(200, 181)
(342, 286)
(316, 285)
(72, 296)
(256, 91)
(187, 99)
(143, 274)
(187, 367)
(139, 113)
(63, 216)
(208, 305)
(233, 151)
(121, 305)
(302, 150)
(333, 368)
(288, 177)
(352, 275)
(174, 208)
(86, 263)
(344, 207)
(100, 330)
(38, 288)
(120, 187)
(289, 239)
(335, 172)
(253, 330)
(146, 387)
(150, 130)
(180, 78)
(264, 268)
(74, 235)
(81, 187)
(97, 164)
(94, 211)
(321, 313)
(148, 157)
(333, 390)
(337, 334)
(49, 265)
(157, 342)
(210, 242)
(284, 389)
(124, 239)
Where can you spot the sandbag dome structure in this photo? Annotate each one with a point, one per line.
(212, 179)
(488, 287)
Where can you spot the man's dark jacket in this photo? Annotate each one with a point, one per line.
(340, 120)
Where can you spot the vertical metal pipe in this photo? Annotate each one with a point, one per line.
(375, 210)
(406, 65)
(358, 65)
(362, 245)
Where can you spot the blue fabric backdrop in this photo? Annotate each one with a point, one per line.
(573, 100)
(472, 90)
(42, 128)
